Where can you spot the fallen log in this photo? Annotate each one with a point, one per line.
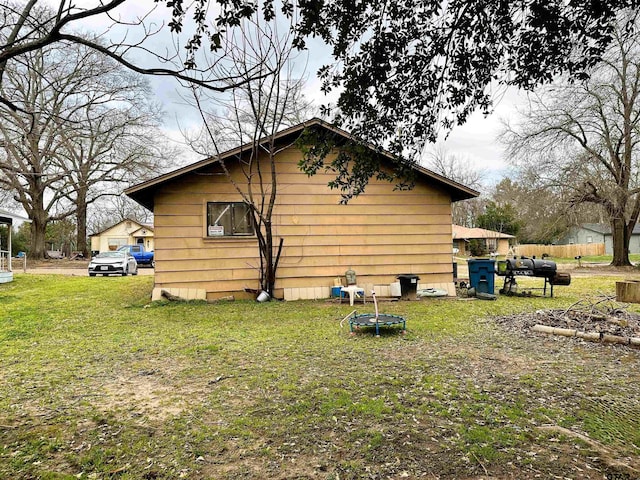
(589, 336)
(606, 338)
(542, 329)
(565, 332)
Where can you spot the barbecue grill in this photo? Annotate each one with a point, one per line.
(530, 267)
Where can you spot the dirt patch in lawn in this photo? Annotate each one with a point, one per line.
(144, 394)
(593, 328)
(155, 393)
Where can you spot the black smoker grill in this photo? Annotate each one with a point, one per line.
(530, 267)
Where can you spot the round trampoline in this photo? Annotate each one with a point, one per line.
(372, 320)
(375, 319)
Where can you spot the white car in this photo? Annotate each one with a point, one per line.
(113, 263)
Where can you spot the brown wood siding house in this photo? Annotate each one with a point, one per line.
(493, 242)
(380, 234)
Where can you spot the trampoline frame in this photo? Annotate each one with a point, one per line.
(365, 320)
(375, 319)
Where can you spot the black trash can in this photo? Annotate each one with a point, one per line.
(408, 286)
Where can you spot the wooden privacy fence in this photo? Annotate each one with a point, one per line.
(563, 251)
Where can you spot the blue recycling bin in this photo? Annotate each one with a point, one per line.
(482, 274)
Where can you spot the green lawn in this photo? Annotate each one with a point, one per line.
(634, 258)
(98, 383)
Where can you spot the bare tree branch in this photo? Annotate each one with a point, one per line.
(589, 132)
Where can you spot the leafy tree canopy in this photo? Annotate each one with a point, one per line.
(403, 69)
(499, 219)
(407, 68)
(393, 61)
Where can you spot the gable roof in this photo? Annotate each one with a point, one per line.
(466, 233)
(605, 228)
(143, 193)
(601, 228)
(141, 225)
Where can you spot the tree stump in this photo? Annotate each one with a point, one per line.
(628, 291)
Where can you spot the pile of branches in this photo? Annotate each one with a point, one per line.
(598, 317)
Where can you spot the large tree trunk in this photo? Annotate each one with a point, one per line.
(38, 231)
(620, 237)
(81, 222)
(39, 218)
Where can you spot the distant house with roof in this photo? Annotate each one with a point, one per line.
(125, 232)
(586, 233)
(493, 242)
(599, 233)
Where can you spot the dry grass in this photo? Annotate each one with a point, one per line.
(99, 384)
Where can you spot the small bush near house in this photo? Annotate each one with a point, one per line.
(477, 248)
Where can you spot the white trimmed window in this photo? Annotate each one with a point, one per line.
(229, 219)
(116, 243)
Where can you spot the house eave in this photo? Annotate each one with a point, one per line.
(8, 218)
(144, 192)
(118, 223)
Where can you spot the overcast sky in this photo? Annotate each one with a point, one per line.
(475, 141)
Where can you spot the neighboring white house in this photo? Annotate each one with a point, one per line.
(6, 267)
(126, 232)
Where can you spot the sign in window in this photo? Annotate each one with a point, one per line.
(229, 219)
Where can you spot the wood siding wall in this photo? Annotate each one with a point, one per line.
(381, 234)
